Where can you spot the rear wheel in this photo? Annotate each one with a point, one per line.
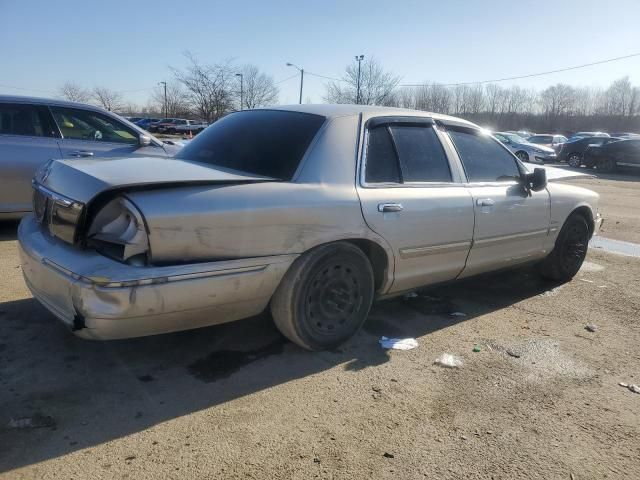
(570, 250)
(574, 160)
(325, 297)
(606, 165)
(523, 156)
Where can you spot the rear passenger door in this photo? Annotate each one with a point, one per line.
(510, 222)
(27, 140)
(414, 198)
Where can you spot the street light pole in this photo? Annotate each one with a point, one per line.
(359, 59)
(241, 88)
(165, 98)
(301, 78)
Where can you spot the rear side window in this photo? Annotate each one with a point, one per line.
(21, 119)
(405, 154)
(270, 143)
(422, 158)
(483, 158)
(382, 161)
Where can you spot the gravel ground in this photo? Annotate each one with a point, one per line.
(541, 399)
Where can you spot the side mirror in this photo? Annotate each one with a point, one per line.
(144, 140)
(537, 180)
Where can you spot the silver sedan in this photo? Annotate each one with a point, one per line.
(309, 211)
(525, 151)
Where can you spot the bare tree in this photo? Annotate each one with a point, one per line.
(177, 100)
(259, 88)
(209, 87)
(73, 92)
(108, 99)
(376, 85)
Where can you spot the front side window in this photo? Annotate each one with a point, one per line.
(541, 139)
(269, 143)
(483, 158)
(88, 125)
(27, 120)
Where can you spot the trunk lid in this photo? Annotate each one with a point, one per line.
(84, 179)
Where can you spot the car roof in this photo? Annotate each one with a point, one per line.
(47, 101)
(341, 110)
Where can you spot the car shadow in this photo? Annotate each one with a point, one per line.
(622, 173)
(8, 230)
(84, 393)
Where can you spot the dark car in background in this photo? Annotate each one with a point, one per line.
(590, 134)
(606, 158)
(572, 151)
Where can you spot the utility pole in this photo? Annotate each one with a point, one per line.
(241, 88)
(301, 70)
(359, 59)
(165, 98)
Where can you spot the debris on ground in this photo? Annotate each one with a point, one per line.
(591, 328)
(630, 386)
(551, 293)
(457, 314)
(398, 343)
(410, 295)
(448, 360)
(585, 280)
(476, 348)
(388, 455)
(512, 353)
(35, 421)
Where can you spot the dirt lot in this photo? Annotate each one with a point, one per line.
(540, 400)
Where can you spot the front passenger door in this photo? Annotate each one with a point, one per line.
(510, 222)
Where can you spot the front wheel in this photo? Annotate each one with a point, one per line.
(325, 296)
(570, 250)
(574, 160)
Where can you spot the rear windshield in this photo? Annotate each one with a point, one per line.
(270, 143)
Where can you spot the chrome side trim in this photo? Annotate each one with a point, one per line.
(421, 251)
(507, 238)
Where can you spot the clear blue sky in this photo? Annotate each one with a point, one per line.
(129, 45)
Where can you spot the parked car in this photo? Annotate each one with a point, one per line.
(589, 134)
(572, 151)
(525, 151)
(607, 157)
(192, 126)
(169, 125)
(34, 130)
(523, 133)
(146, 122)
(309, 210)
(547, 140)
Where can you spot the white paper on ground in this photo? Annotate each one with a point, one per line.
(398, 343)
(448, 360)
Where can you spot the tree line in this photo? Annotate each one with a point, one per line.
(560, 107)
(209, 91)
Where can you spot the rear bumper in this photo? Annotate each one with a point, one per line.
(99, 298)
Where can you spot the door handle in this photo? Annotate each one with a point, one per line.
(81, 153)
(485, 202)
(389, 207)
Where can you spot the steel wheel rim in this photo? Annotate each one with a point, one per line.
(575, 247)
(333, 300)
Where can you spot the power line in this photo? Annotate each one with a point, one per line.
(549, 72)
(285, 79)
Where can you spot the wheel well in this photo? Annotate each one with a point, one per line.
(585, 212)
(522, 151)
(377, 257)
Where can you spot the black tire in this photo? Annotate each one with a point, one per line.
(325, 296)
(574, 160)
(523, 156)
(570, 250)
(606, 165)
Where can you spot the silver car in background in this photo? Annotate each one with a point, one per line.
(34, 130)
(525, 151)
(311, 211)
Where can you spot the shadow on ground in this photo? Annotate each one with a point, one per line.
(95, 392)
